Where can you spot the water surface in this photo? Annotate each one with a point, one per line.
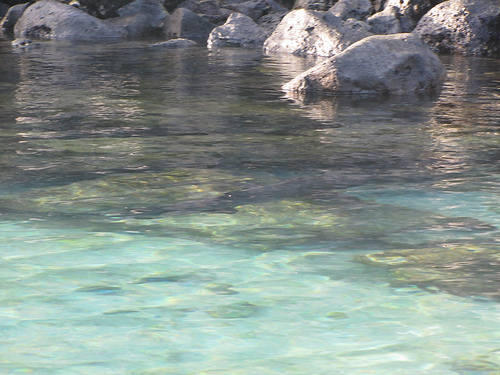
(170, 212)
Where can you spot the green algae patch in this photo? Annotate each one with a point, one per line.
(265, 226)
(460, 270)
(130, 193)
(337, 315)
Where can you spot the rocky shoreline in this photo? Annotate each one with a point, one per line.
(372, 46)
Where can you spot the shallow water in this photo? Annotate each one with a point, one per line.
(170, 212)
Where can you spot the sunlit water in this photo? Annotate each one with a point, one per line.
(170, 212)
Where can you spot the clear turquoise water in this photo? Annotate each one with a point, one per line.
(169, 212)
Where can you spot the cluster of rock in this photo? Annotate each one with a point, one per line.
(372, 45)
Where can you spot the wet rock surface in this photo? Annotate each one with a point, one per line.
(176, 43)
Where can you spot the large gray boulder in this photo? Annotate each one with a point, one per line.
(238, 31)
(50, 19)
(186, 24)
(305, 32)
(358, 9)
(141, 18)
(467, 27)
(385, 22)
(380, 64)
(12, 16)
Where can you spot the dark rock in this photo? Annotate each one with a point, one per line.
(270, 22)
(49, 19)
(238, 31)
(176, 43)
(358, 9)
(305, 32)
(210, 10)
(253, 8)
(385, 22)
(10, 19)
(381, 64)
(467, 27)
(10, 3)
(142, 18)
(411, 11)
(314, 4)
(3, 9)
(184, 23)
(103, 8)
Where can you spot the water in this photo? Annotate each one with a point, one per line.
(170, 212)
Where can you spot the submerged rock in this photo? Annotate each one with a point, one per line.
(390, 64)
(50, 19)
(236, 310)
(464, 26)
(176, 43)
(238, 31)
(461, 270)
(304, 32)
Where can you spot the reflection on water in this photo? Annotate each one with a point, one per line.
(171, 212)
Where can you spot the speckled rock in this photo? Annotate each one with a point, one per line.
(463, 26)
(305, 32)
